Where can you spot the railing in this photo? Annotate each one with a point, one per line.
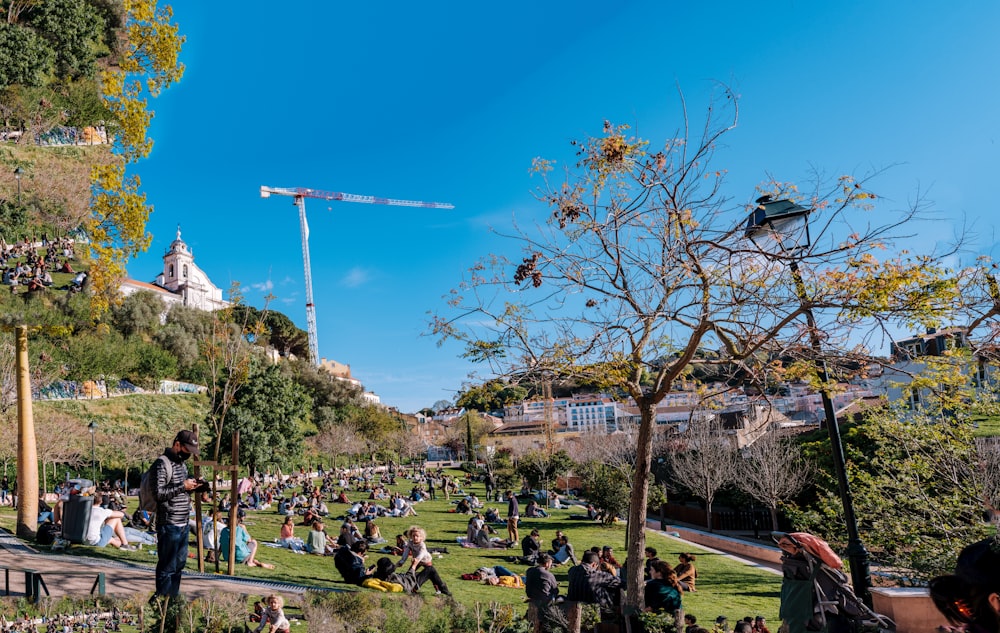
(34, 583)
(725, 520)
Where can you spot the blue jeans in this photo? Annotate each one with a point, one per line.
(172, 554)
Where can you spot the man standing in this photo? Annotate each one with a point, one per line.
(513, 512)
(173, 509)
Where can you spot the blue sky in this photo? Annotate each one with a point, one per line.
(450, 102)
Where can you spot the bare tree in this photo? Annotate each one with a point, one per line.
(229, 354)
(616, 449)
(8, 450)
(773, 471)
(641, 267)
(129, 450)
(338, 439)
(988, 449)
(57, 437)
(707, 464)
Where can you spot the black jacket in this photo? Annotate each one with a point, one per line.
(173, 505)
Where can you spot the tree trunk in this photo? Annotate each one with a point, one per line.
(774, 518)
(708, 514)
(637, 506)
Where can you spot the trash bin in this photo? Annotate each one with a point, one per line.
(76, 518)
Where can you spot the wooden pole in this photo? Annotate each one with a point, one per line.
(233, 506)
(198, 532)
(27, 451)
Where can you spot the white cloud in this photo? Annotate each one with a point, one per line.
(265, 286)
(355, 277)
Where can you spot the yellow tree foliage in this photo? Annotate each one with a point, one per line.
(118, 209)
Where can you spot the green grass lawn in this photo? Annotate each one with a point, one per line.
(725, 587)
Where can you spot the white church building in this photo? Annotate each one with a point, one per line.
(181, 281)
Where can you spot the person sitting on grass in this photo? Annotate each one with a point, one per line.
(565, 551)
(534, 511)
(246, 547)
(105, 528)
(662, 592)
(372, 533)
(531, 547)
(287, 536)
(686, 572)
(318, 542)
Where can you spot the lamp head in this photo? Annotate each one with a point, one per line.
(778, 226)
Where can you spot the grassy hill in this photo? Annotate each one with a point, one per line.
(152, 414)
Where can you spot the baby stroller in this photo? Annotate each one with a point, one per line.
(815, 593)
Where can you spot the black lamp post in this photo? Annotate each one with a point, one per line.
(17, 176)
(93, 452)
(782, 227)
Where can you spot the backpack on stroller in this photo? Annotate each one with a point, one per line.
(815, 593)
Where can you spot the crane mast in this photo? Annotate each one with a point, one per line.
(299, 195)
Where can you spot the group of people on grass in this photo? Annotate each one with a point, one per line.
(24, 264)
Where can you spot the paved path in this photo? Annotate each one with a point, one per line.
(121, 578)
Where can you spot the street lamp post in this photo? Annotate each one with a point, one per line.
(17, 176)
(93, 453)
(784, 226)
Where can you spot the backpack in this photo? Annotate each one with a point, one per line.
(147, 487)
(47, 533)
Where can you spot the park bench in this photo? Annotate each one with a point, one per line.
(34, 582)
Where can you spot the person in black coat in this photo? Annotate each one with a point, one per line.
(531, 547)
(350, 562)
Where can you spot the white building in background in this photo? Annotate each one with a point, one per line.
(181, 282)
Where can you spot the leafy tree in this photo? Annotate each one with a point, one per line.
(150, 365)
(643, 262)
(267, 412)
(92, 355)
(25, 57)
(80, 101)
(74, 30)
(183, 346)
(541, 468)
(139, 313)
(148, 64)
(607, 488)
(441, 405)
(332, 398)
(13, 220)
(917, 492)
(492, 395)
(284, 336)
(471, 426)
(373, 425)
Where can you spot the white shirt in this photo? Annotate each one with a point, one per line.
(98, 516)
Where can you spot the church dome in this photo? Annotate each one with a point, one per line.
(178, 245)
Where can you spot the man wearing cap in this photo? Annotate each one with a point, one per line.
(173, 509)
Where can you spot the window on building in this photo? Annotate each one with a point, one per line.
(171, 271)
(185, 271)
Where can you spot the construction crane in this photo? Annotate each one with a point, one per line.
(300, 194)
